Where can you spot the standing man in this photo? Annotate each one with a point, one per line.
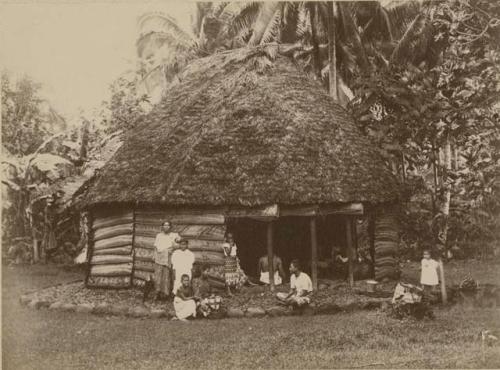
(164, 245)
(263, 269)
(300, 287)
(182, 263)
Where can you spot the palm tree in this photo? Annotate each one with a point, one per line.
(356, 35)
(164, 47)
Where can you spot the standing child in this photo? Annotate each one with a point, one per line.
(233, 274)
(429, 273)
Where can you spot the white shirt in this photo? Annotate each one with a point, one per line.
(182, 262)
(163, 244)
(302, 283)
(232, 248)
(429, 274)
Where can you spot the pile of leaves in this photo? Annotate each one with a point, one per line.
(410, 301)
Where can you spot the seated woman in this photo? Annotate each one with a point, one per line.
(185, 301)
(208, 301)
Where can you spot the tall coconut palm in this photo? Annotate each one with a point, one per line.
(355, 34)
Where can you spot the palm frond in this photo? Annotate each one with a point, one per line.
(202, 11)
(156, 40)
(272, 31)
(415, 42)
(267, 17)
(303, 22)
(351, 35)
(238, 18)
(398, 16)
(218, 8)
(165, 24)
(347, 61)
(322, 22)
(386, 20)
(233, 10)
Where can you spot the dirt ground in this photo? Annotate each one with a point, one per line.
(60, 340)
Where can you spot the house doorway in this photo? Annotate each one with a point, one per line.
(291, 240)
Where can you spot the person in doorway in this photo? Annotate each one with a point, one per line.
(429, 273)
(185, 301)
(300, 287)
(164, 246)
(182, 263)
(263, 270)
(234, 276)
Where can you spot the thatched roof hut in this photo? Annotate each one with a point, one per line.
(243, 133)
(240, 130)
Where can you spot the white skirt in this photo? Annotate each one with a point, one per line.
(429, 277)
(184, 309)
(264, 278)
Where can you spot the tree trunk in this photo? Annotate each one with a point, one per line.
(332, 57)
(403, 168)
(435, 179)
(350, 251)
(455, 157)
(36, 256)
(444, 295)
(444, 209)
(85, 140)
(313, 11)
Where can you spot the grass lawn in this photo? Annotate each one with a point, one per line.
(58, 340)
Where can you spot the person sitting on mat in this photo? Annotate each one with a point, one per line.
(263, 269)
(185, 301)
(300, 287)
(208, 301)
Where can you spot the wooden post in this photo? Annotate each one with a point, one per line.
(36, 255)
(270, 255)
(350, 250)
(314, 254)
(444, 295)
(371, 233)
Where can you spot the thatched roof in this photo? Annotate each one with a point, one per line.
(239, 129)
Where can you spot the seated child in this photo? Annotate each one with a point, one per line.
(185, 301)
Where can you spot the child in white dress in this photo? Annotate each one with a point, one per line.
(429, 273)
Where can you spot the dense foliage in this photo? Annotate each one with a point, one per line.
(46, 162)
(438, 125)
(27, 120)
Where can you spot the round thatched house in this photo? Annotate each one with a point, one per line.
(243, 142)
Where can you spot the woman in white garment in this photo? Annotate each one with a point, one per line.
(182, 263)
(185, 301)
